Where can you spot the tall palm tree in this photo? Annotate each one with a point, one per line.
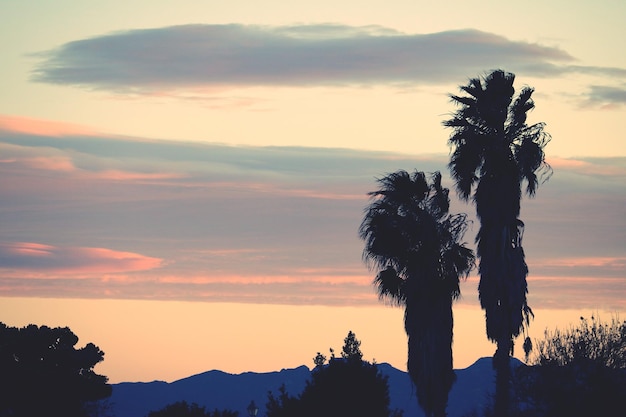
(494, 153)
(414, 245)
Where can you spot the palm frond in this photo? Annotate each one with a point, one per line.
(390, 286)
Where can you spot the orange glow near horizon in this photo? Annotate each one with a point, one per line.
(169, 340)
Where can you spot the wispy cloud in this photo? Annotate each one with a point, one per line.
(178, 220)
(195, 164)
(583, 266)
(153, 61)
(32, 126)
(602, 167)
(594, 293)
(29, 256)
(582, 293)
(605, 97)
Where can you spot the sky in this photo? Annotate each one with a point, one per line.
(182, 182)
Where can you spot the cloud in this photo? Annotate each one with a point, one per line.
(26, 125)
(259, 224)
(201, 165)
(294, 292)
(612, 72)
(593, 293)
(149, 61)
(582, 266)
(563, 293)
(600, 167)
(606, 97)
(29, 256)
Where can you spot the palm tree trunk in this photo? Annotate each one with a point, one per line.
(429, 324)
(496, 289)
(502, 366)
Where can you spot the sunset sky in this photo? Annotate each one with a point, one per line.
(182, 183)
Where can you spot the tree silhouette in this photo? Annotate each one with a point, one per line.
(183, 409)
(41, 373)
(346, 386)
(494, 152)
(319, 360)
(351, 347)
(414, 245)
(283, 405)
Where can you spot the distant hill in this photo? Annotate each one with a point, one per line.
(220, 390)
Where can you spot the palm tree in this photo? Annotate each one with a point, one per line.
(414, 245)
(494, 152)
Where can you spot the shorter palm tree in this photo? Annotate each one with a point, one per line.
(415, 246)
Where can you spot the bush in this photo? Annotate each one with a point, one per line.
(577, 372)
(183, 409)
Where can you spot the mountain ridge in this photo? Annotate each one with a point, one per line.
(220, 390)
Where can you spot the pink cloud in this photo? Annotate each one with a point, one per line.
(27, 125)
(36, 257)
(577, 293)
(598, 261)
(332, 271)
(24, 159)
(51, 163)
(228, 279)
(586, 167)
(28, 249)
(264, 279)
(21, 158)
(563, 292)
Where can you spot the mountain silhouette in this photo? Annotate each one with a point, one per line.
(223, 391)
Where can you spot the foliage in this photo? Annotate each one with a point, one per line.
(494, 152)
(42, 373)
(580, 371)
(183, 409)
(319, 359)
(415, 246)
(603, 343)
(351, 348)
(283, 405)
(346, 386)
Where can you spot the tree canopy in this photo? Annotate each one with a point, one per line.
(351, 348)
(42, 373)
(183, 409)
(346, 386)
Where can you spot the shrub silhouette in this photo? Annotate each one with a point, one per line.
(577, 372)
(183, 409)
(42, 373)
